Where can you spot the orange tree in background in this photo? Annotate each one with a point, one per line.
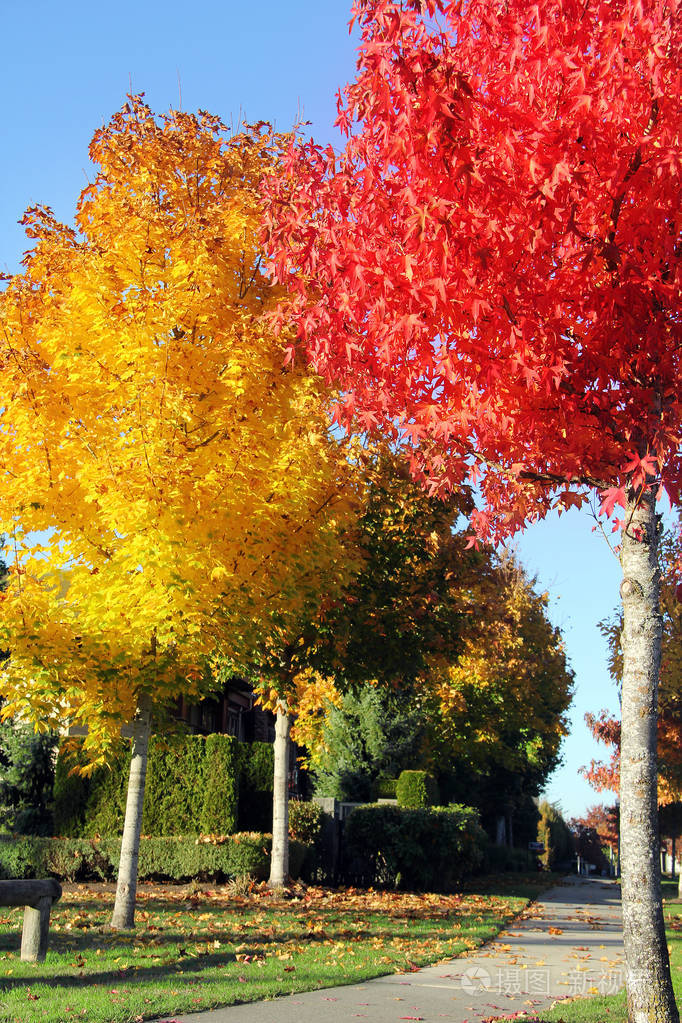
(596, 831)
(491, 270)
(169, 488)
(606, 728)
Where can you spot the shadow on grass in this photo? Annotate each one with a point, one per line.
(133, 975)
(191, 970)
(75, 943)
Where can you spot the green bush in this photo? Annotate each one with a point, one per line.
(257, 765)
(70, 797)
(211, 785)
(220, 787)
(26, 776)
(174, 788)
(416, 789)
(556, 837)
(385, 788)
(161, 858)
(422, 849)
(500, 858)
(305, 821)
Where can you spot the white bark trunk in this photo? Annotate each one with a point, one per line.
(123, 917)
(279, 860)
(647, 968)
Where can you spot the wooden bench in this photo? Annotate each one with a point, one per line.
(37, 897)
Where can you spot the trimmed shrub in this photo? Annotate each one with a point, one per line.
(162, 858)
(305, 821)
(70, 797)
(221, 779)
(106, 801)
(193, 786)
(175, 786)
(554, 833)
(500, 858)
(416, 789)
(257, 765)
(422, 849)
(26, 776)
(385, 788)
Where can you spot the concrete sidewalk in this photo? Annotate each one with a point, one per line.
(568, 943)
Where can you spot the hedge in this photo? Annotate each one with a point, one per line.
(422, 850)
(416, 789)
(163, 858)
(256, 770)
(305, 821)
(500, 859)
(195, 785)
(385, 788)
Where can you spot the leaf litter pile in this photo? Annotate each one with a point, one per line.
(199, 947)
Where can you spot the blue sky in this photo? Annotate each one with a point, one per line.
(67, 67)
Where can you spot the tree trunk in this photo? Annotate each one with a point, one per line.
(279, 860)
(123, 917)
(672, 860)
(647, 968)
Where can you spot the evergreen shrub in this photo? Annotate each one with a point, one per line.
(161, 858)
(220, 788)
(195, 785)
(500, 858)
(26, 777)
(385, 788)
(256, 772)
(305, 821)
(416, 789)
(423, 850)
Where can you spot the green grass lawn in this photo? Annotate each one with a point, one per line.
(600, 1009)
(197, 948)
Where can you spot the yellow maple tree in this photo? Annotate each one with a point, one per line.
(169, 486)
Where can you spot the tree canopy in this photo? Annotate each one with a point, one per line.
(491, 271)
(167, 485)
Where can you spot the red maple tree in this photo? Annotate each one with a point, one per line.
(490, 271)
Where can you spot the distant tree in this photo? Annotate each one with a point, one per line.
(503, 699)
(555, 835)
(26, 777)
(26, 766)
(374, 733)
(670, 826)
(606, 822)
(174, 487)
(596, 831)
(606, 728)
(587, 845)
